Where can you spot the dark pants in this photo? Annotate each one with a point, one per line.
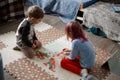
(29, 51)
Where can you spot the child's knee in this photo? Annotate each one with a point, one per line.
(30, 56)
(63, 62)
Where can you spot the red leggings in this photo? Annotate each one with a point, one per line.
(72, 65)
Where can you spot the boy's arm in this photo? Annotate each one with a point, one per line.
(34, 37)
(25, 32)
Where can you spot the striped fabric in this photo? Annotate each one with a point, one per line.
(11, 9)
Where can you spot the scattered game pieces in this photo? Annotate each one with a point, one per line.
(51, 60)
(52, 64)
(60, 53)
(41, 54)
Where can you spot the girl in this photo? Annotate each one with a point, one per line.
(82, 55)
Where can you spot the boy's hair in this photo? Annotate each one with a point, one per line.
(35, 11)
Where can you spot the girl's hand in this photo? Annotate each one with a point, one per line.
(66, 50)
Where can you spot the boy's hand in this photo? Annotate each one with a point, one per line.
(33, 46)
(36, 42)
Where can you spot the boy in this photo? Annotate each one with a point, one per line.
(26, 38)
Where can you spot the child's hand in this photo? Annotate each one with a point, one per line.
(33, 46)
(67, 53)
(66, 50)
(36, 42)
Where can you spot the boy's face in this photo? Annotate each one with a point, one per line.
(34, 20)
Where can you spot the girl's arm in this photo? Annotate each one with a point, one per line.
(74, 51)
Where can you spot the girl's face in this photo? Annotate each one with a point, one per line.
(70, 34)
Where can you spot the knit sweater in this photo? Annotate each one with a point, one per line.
(25, 34)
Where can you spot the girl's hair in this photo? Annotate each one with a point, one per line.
(35, 11)
(74, 30)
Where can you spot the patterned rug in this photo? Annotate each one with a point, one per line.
(47, 68)
(24, 69)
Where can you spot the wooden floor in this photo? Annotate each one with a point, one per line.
(103, 43)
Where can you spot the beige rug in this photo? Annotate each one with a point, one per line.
(22, 68)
